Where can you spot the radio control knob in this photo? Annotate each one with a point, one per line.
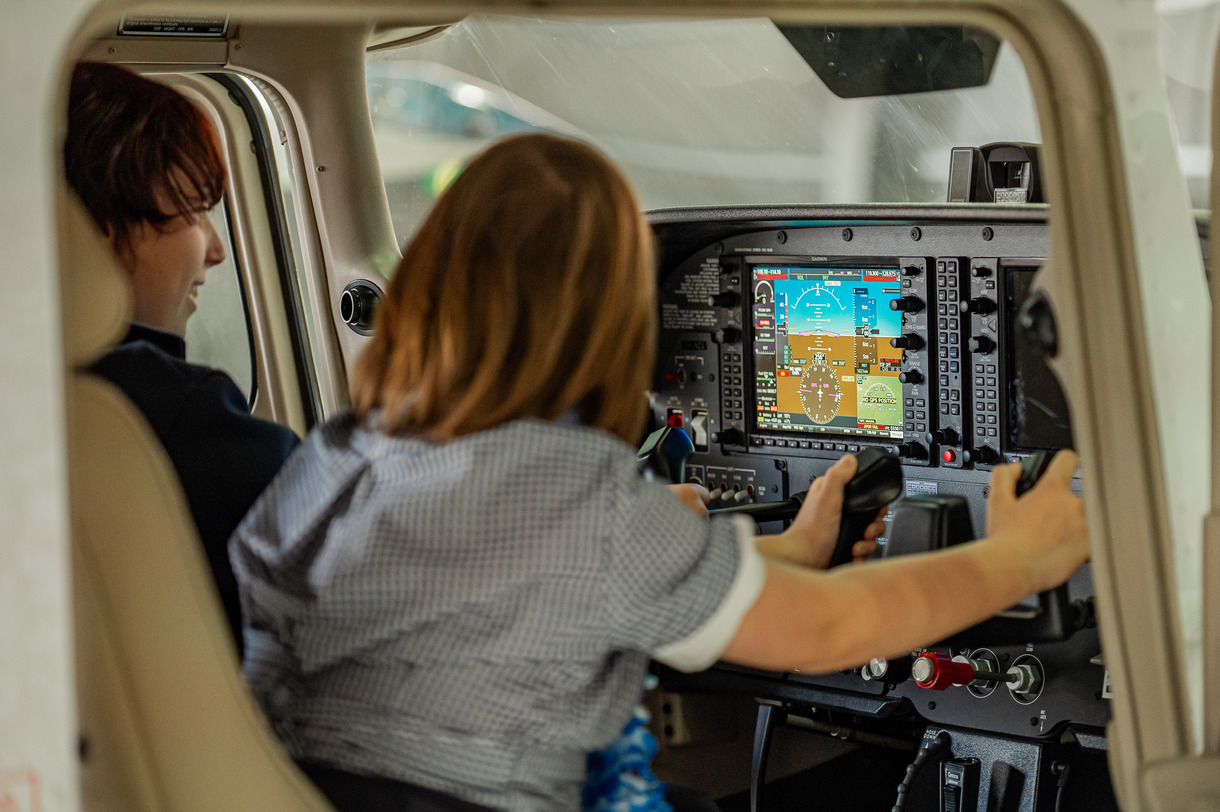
(726, 335)
(979, 304)
(980, 344)
(726, 298)
(910, 270)
(986, 455)
(946, 436)
(912, 450)
(907, 304)
(727, 437)
(910, 376)
(980, 271)
(907, 341)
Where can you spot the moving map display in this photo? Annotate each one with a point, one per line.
(822, 356)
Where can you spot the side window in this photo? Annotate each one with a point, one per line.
(218, 334)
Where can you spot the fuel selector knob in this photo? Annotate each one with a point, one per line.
(979, 304)
(980, 344)
(907, 304)
(907, 341)
(910, 376)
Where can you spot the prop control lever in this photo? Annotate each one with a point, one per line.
(878, 481)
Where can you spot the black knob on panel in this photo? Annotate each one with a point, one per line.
(907, 304)
(946, 436)
(913, 450)
(980, 344)
(726, 335)
(908, 341)
(725, 298)
(979, 304)
(727, 437)
(911, 270)
(980, 271)
(986, 455)
(910, 376)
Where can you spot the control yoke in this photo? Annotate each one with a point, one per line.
(877, 482)
(1053, 619)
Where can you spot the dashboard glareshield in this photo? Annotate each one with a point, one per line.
(821, 352)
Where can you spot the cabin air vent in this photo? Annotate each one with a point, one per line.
(357, 305)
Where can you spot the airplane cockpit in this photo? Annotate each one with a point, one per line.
(924, 237)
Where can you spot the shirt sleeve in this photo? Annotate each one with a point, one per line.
(677, 585)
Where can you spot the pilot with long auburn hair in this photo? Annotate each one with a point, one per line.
(454, 590)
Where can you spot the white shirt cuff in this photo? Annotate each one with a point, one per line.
(704, 646)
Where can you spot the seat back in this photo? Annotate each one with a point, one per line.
(166, 721)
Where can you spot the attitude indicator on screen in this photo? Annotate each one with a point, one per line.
(822, 356)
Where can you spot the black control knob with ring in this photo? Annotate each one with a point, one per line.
(910, 376)
(912, 450)
(907, 304)
(946, 436)
(979, 304)
(980, 271)
(907, 341)
(980, 344)
(726, 335)
(728, 436)
(985, 455)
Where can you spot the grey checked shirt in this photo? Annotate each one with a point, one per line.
(476, 616)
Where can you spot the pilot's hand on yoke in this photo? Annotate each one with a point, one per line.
(1046, 524)
(695, 497)
(810, 539)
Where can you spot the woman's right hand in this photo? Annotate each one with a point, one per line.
(1046, 523)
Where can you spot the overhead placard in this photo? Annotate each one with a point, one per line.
(174, 26)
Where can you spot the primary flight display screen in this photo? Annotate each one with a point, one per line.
(822, 356)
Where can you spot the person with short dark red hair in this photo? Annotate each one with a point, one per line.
(146, 164)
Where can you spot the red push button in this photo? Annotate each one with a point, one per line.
(949, 455)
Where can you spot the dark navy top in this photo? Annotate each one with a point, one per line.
(224, 456)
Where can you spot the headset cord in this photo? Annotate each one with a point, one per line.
(925, 754)
(1063, 770)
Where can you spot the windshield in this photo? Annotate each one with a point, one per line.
(697, 113)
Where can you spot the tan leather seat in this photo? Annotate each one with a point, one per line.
(166, 721)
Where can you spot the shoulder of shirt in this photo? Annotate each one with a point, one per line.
(144, 358)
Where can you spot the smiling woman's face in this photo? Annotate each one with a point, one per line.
(166, 264)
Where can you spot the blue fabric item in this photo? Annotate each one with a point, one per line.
(620, 777)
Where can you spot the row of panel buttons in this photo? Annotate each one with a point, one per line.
(815, 445)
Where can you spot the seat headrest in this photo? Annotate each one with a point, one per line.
(96, 300)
